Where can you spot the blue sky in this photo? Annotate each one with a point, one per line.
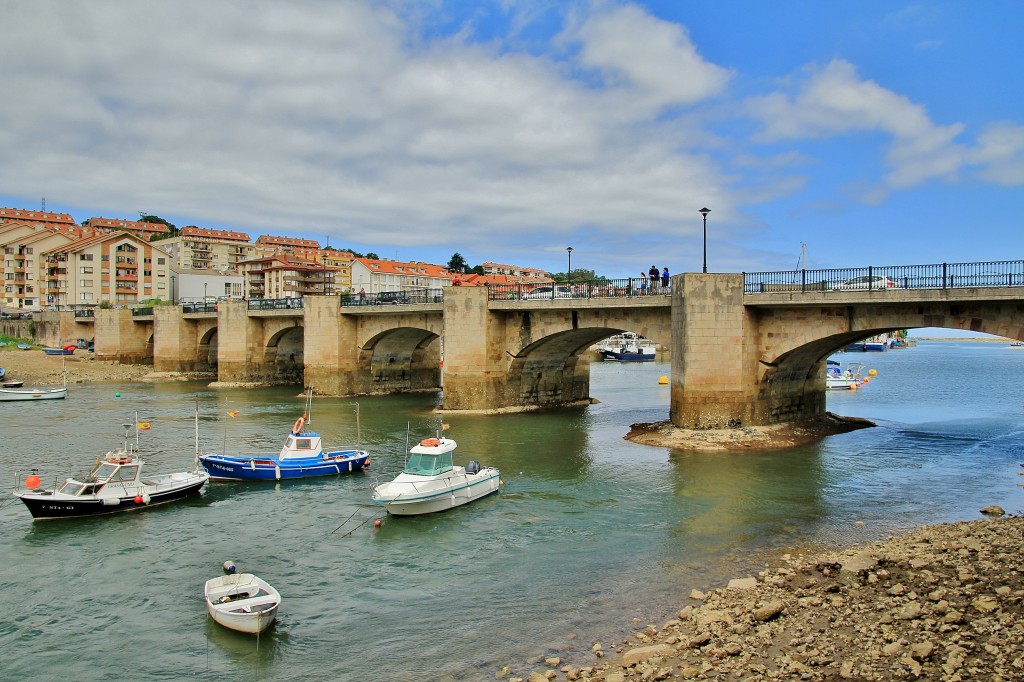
(876, 133)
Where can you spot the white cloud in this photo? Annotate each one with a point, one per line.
(335, 119)
(1000, 153)
(834, 100)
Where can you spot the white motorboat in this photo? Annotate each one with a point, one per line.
(628, 347)
(849, 378)
(13, 393)
(242, 602)
(430, 482)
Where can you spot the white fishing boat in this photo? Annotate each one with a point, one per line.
(242, 602)
(114, 484)
(430, 482)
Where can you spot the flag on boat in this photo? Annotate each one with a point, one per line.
(143, 425)
(233, 413)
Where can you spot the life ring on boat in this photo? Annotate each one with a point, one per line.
(430, 442)
(297, 426)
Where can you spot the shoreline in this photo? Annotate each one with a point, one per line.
(936, 602)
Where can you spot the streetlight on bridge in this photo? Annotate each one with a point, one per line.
(568, 273)
(704, 212)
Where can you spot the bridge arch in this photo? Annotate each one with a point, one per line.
(284, 351)
(207, 350)
(401, 360)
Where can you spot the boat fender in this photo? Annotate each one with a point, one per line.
(473, 467)
(297, 427)
(430, 442)
(110, 501)
(229, 566)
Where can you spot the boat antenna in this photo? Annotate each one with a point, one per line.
(197, 428)
(407, 427)
(308, 417)
(359, 436)
(136, 430)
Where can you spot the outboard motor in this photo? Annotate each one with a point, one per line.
(473, 467)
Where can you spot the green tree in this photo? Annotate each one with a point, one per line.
(372, 256)
(457, 263)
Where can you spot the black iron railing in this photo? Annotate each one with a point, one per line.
(880, 278)
(274, 304)
(603, 288)
(405, 296)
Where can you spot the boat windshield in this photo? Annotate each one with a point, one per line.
(114, 472)
(428, 465)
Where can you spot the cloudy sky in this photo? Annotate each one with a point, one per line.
(876, 132)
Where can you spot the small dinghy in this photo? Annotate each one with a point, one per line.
(241, 601)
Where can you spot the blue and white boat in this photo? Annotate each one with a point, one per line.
(303, 455)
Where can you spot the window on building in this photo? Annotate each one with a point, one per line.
(85, 282)
(87, 256)
(86, 269)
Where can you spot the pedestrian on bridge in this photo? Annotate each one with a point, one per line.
(654, 276)
(664, 279)
(643, 283)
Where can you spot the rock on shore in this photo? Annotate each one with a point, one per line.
(939, 603)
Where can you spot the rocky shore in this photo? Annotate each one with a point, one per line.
(941, 602)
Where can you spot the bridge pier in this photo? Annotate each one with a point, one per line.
(240, 349)
(123, 339)
(480, 371)
(718, 379)
(331, 349)
(176, 341)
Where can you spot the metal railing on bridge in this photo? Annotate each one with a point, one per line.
(407, 296)
(874, 278)
(599, 288)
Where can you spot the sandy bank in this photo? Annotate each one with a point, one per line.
(35, 368)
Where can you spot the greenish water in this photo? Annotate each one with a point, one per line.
(589, 532)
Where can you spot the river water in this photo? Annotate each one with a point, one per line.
(591, 538)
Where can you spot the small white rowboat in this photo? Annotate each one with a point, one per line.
(242, 602)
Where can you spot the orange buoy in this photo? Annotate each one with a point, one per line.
(138, 499)
(299, 423)
(376, 524)
(32, 481)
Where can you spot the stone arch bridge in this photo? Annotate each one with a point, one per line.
(737, 358)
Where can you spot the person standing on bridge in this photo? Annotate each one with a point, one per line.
(643, 283)
(654, 275)
(664, 279)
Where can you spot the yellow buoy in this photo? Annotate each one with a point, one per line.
(872, 372)
(663, 380)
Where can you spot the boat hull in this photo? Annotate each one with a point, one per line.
(627, 357)
(223, 468)
(407, 500)
(47, 506)
(19, 394)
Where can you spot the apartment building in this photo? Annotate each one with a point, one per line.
(140, 228)
(200, 248)
(282, 276)
(374, 276)
(112, 267)
(22, 245)
(515, 272)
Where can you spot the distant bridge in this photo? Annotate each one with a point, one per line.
(746, 348)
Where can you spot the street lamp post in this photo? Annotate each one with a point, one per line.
(568, 273)
(704, 212)
(205, 284)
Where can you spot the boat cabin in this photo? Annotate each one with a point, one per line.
(431, 457)
(301, 446)
(114, 468)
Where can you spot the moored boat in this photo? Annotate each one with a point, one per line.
(430, 482)
(16, 393)
(114, 484)
(303, 455)
(849, 378)
(242, 602)
(68, 350)
(628, 347)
